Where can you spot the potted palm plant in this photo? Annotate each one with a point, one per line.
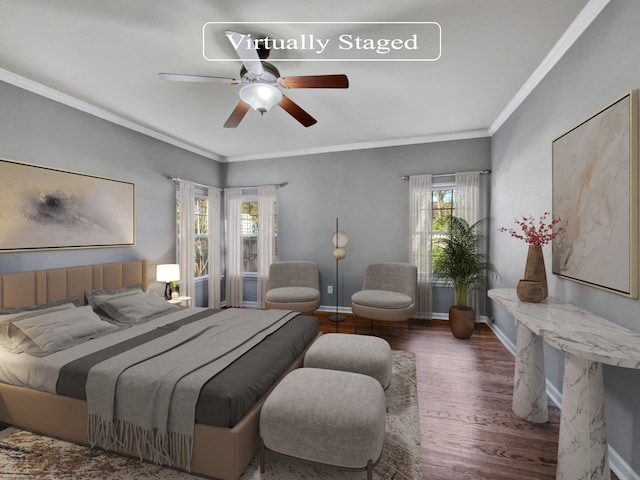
(458, 261)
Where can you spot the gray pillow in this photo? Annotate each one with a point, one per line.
(96, 298)
(132, 309)
(8, 311)
(7, 315)
(57, 329)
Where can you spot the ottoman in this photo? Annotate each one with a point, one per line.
(325, 416)
(352, 353)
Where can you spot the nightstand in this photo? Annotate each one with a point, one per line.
(181, 300)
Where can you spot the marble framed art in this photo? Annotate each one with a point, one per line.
(595, 193)
(45, 208)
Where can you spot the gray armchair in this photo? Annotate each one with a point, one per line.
(388, 293)
(293, 285)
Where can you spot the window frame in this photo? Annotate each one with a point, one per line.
(200, 193)
(435, 234)
(251, 196)
(252, 237)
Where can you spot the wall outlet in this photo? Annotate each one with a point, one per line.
(329, 289)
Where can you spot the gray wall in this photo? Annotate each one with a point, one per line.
(39, 131)
(363, 188)
(601, 67)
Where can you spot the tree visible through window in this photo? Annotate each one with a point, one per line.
(249, 226)
(201, 233)
(442, 211)
(201, 219)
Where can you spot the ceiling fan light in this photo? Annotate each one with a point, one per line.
(261, 96)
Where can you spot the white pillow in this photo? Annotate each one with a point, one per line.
(50, 332)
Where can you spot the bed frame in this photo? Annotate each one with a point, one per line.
(218, 452)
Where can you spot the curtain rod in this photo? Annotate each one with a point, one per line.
(176, 179)
(482, 172)
(277, 185)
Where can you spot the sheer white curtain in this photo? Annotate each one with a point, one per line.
(215, 240)
(467, 196)
(186, 240)
(420, 207)
(467, 206)
(266, 237)
(234, 247)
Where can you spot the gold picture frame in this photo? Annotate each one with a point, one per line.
(595, 193)
(44, 208)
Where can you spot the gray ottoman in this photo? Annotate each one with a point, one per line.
(325, 416)
(352, 353)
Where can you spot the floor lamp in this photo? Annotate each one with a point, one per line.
(339, 240)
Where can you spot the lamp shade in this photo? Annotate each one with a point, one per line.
(339, 239)
(168, 272)
(261, 96)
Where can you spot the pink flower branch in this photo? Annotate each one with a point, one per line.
(536, 233)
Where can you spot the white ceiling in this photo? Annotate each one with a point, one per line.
(104, 57)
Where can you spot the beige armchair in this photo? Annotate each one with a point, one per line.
(388, 293)
(293, 285)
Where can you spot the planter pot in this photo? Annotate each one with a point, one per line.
(531, 291)
(462, 321)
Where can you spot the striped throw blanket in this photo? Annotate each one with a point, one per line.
(145, 398)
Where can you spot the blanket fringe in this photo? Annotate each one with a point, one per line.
(168, 448)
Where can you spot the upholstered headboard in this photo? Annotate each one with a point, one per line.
(42, 286)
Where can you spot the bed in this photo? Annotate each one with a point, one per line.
(223, 444)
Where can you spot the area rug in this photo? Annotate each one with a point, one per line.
(24, 455)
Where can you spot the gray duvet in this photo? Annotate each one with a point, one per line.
(229, 395)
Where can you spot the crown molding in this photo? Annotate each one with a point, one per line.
(575, 30)
(393, 142)
(57, 96)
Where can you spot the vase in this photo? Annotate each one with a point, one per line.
(530, 291)
(534, 269)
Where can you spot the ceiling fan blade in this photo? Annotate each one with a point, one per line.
(315, 81)
(296, 112)
(243, 44)
(181, 77)
(237, 115)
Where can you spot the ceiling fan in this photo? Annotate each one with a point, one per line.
(261, 82)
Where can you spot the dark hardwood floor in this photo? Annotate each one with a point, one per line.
(464, 389)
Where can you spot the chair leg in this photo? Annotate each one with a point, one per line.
(355, 321)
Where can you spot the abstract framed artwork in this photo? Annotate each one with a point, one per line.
(595, 193)
(44, 208)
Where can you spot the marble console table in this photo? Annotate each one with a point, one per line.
(588, 342)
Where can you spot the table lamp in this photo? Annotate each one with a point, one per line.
(170, 274)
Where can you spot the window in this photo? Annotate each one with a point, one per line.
(442, 209)
(201, 218)
(441, 212)
(249, 226)
(201, 233)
